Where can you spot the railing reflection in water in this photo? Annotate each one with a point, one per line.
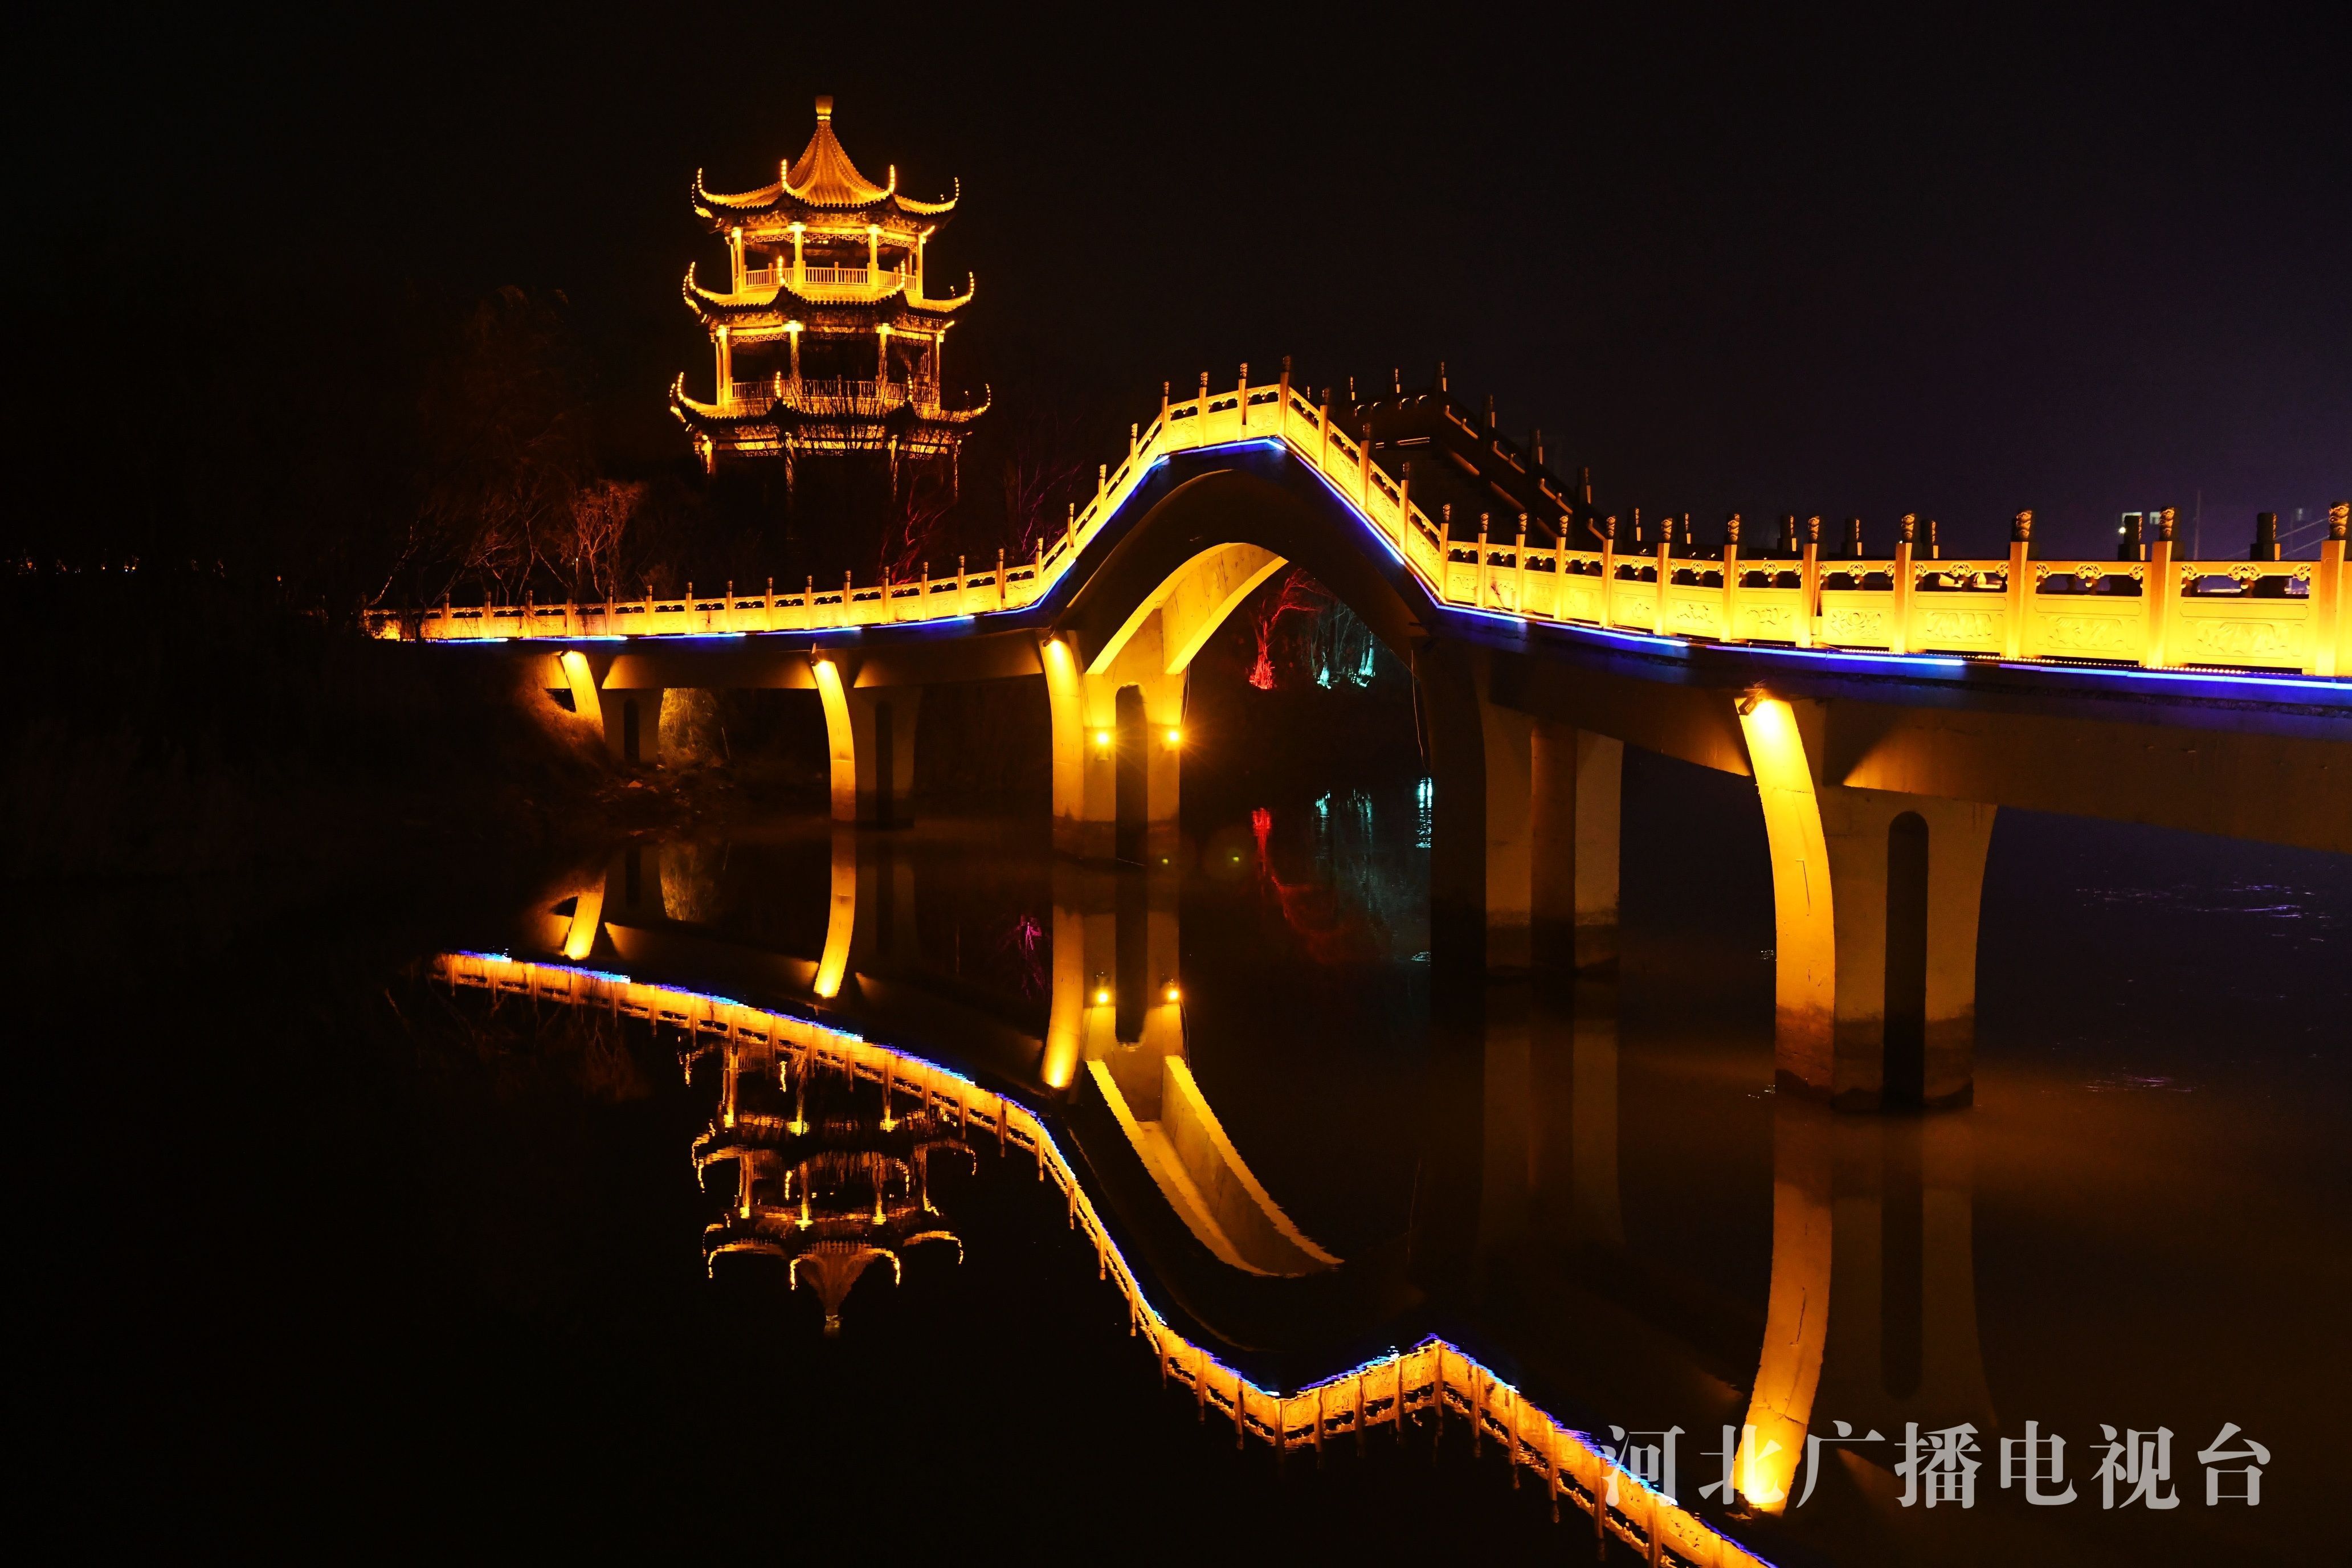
(1435, 1377)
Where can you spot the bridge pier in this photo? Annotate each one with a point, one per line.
(869, 734)
(632, 722)
(1525, 829)
(1871, 1315)
(1576, 785)
(1875, 898)
(1117, 748)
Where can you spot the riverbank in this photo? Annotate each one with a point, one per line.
(191, 733)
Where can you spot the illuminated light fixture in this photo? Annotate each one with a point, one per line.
(1171, 993)
(1102, 998)
(1102, 739)
(1175, 737)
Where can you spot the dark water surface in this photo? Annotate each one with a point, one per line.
(326, 1255)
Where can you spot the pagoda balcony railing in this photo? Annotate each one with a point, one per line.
(820, 280)
(830, 395)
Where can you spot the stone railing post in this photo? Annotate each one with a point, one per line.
(2020, 590)
(1666, 572)
(1809, 581)
(1241, 410)
(2331, 618)
(1898, 628)
(2157, 592)
(999, 579)
(1608, 572)
(1731, 578)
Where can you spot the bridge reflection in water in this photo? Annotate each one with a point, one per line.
(1435, 1377)
(1514, 1223)
(1287, 1159)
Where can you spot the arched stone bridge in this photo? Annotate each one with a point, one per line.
(1886, 708)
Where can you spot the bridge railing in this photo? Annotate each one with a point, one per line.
(2159, 613)
(1435, 1378)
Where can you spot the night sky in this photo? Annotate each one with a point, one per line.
(1958, 266)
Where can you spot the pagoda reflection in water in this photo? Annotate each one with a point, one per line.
(830, 1176)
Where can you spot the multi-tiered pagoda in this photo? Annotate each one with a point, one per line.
(826, 337)
(830, 1175)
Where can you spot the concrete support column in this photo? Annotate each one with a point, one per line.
(841, 915)
(884, 933)
(1576, 782)
(1874, 900)
(1117, 997)
(1525, 825)
(874, 726)
(1797, 1312)
(633, 724)
(1871, 1316)
(1573, 1158)
(1454, 706)
(1907, 875)
(1116, 763)
(1508, 737)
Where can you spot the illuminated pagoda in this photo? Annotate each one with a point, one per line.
(824, 339)
(829, 1174)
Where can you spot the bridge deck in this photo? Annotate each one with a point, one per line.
(2161, 612)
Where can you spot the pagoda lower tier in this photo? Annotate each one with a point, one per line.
(787, 416)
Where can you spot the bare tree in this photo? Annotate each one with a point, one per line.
(600, 515)
(505, 425)
(1045, 467)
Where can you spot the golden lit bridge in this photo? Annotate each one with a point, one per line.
(1886, 706)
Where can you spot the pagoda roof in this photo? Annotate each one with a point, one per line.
(785, 301)
(823, 179)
